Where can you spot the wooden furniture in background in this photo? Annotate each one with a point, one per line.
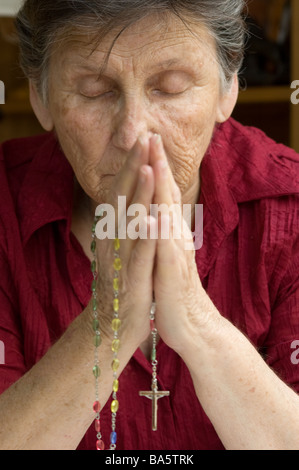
(270, 107)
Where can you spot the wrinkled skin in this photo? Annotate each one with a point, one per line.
(160, 79)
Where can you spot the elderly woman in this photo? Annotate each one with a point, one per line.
(136, 97)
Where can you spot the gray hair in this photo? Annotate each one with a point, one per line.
(42, 24)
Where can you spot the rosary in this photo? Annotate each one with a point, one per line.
(154, 394)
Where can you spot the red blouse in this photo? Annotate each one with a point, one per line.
(249, 265)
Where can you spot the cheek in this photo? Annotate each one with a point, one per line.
(83, 135)
(82, 132)
(189, 130)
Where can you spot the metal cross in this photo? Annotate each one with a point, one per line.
(154, 395)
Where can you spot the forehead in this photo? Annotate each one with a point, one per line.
(163, 41)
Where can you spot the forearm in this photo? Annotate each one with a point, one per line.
(51, 406)
(249, 406)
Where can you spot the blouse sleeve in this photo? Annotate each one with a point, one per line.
(12, 364)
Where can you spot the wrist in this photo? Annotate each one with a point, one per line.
(201, 334)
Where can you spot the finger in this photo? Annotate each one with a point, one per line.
(127, 178)
(157, 155)
(125, 184)
(140, 207)
(164, 200)
(141, 263)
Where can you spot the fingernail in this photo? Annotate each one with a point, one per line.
(163, 164)
(141, 140)
(157, 138)
(143, 174)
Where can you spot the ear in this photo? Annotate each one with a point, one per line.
(40, 109)
(227, 101)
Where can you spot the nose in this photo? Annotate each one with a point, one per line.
(131, 121)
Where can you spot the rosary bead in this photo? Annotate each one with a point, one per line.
(115, 345)
(115, 385)
(116, 244)
(95, 324)
(115, 365)
(100, 445)
(96, 407)
(117, 264)
(114, 406)
(116, 323)
(97, 341)
(116, 305)
(97, 425)
(96, 371)
(93, 229)
(154, 354)
(113, 437)
(116, 284)
(93, 266)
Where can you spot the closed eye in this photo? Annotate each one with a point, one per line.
(95, 96)
(171, 83)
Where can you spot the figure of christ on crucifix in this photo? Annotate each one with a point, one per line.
(154, 395)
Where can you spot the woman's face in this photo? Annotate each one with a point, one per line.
(160, 77)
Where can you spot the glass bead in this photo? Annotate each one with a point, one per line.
(94, 285)
(154, 354)
(116, 284)
(96, 407)
(97, 341)
(116, 305)
(114, 406)
(95, 324)
(116, 244)
(97, 425)
(94, 304)
(113, 437)
(152, 325)
(115, 345)
(100, 445)
(115, 365)
(94, 226)
(96, 371)
(115, 385)
(93, 266)
(117, 264)
(93, 246)
(116, 323)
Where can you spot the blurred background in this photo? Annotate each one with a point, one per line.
(271, 64)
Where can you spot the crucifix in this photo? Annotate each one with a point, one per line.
(154, 394)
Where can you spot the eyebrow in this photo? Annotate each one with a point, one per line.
(100, 69)
(165, 64)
